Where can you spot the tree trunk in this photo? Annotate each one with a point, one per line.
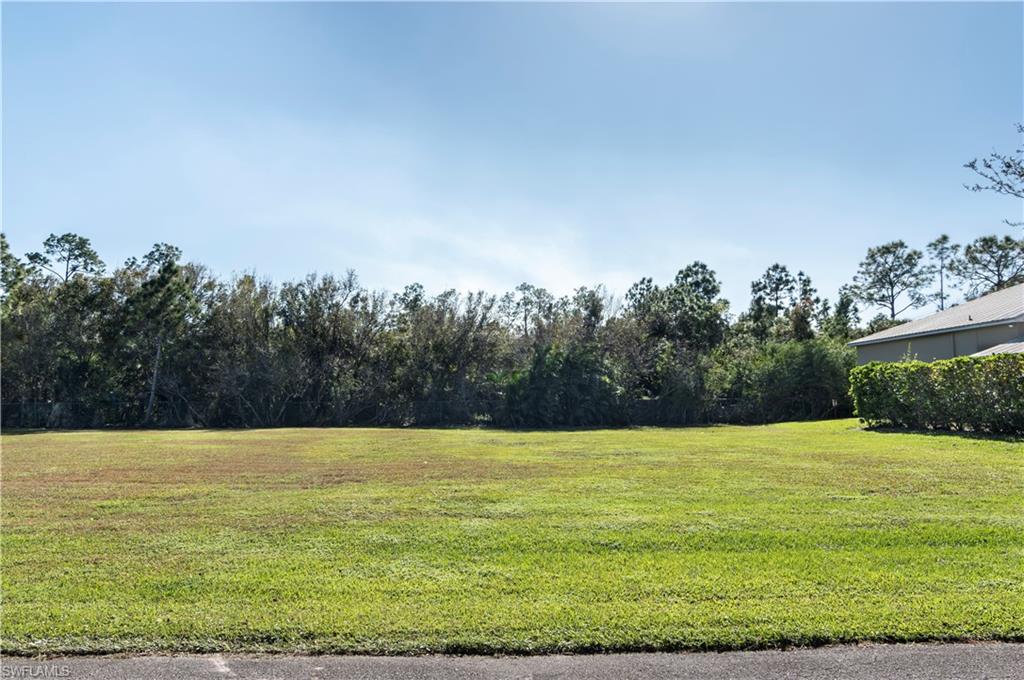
(942, 285)
(152, 384)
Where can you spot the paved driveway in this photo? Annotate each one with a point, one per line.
(907, 662)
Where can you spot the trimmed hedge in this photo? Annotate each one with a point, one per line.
(983, 394)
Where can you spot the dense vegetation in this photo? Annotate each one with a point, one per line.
(162, 342)
(981, 394)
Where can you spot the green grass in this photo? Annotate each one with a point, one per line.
(406, 541)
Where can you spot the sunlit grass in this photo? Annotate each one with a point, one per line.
(398, 541)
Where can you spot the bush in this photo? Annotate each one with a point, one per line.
(776, 381)
(560, 388)
(983, 394)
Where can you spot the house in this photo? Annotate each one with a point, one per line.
(991, 324)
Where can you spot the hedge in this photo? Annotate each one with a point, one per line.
(981, 394)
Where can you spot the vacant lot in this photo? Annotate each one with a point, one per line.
(475, 540)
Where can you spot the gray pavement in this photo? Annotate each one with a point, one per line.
(926, 661)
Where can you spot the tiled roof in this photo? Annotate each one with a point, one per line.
(1002, 306)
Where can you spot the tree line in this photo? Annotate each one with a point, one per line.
(158, 341)
(162, 342)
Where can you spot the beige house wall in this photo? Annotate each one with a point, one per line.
(940, 346)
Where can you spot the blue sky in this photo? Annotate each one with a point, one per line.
(478, 146)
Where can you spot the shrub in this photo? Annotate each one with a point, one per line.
(984, 394)
(791, 380)
(562, 387)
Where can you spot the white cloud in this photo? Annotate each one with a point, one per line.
(361, 199)
(286, 200)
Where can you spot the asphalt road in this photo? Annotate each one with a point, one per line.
(906, 662)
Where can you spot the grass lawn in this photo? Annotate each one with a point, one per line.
(404, 541)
